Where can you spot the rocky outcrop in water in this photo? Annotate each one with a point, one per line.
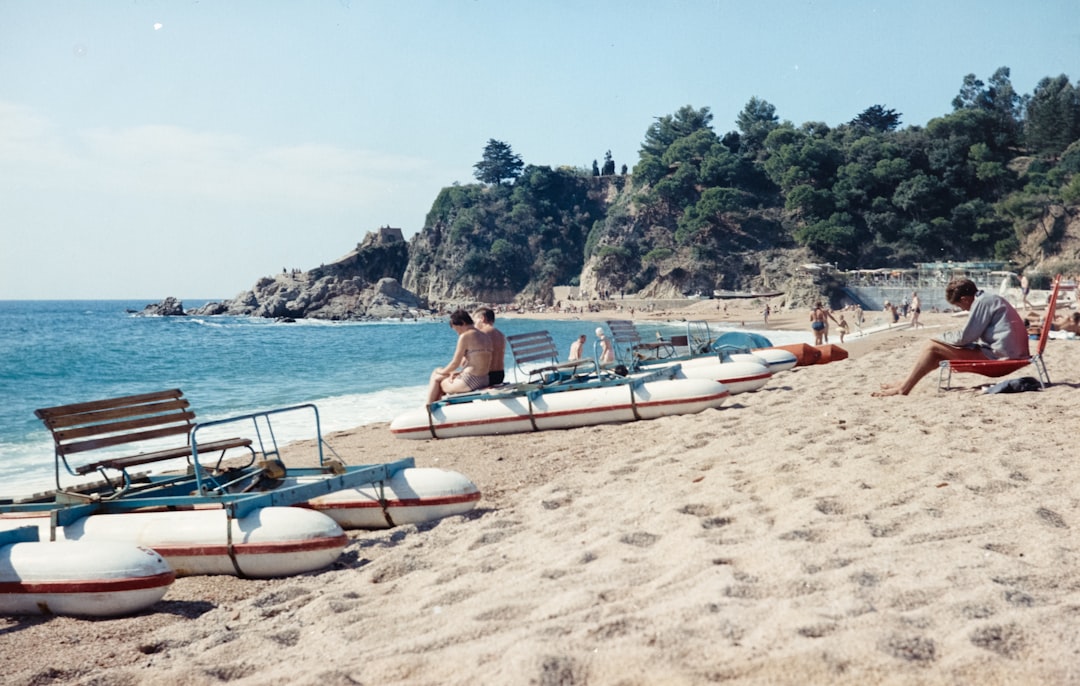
(169, 307)
(364, 284)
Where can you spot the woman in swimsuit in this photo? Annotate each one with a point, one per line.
(468, 371)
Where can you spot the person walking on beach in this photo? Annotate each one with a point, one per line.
(894, 314)
(1025, 288)
(994, 331)
(468, 370)
(859, 318)
(576, 348)
(485, 321)
(916, 310)
(767, 312)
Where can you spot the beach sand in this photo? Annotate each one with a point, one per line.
(802, 534)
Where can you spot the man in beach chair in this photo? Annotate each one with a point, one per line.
(994, 331)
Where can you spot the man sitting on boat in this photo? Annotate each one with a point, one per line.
(485, 321)
(468, 371)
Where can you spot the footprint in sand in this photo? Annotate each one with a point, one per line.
(639, 539)
(910, 648)
(1005, 640)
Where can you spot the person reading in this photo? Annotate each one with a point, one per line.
(468, 371)
(994, 331)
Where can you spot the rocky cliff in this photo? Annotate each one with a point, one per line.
(501, 245)
(364, 284)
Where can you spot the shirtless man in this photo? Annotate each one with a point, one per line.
(485, 321)
(576, 347)
(994, 331)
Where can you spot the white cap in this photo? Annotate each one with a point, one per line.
(599, 331)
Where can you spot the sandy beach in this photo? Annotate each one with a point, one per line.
(805, 533)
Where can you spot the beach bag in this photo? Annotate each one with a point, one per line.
(1024, 383)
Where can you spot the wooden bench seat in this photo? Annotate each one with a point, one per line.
(128, 420)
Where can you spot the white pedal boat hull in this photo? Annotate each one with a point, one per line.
(739, 377)
(562, 409)
(269, 542)
(77, 578)
(411, 496)
(775, 359)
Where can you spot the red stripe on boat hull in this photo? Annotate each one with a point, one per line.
(270, 548)
(88, 585)
(563, 413)
(406, 502)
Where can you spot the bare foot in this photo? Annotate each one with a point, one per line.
(887, 391)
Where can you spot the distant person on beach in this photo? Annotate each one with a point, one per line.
(859, 314)
(819, 323)
(1025, 288)
(485, 321)
(766, 313)
(468, 371)
(1073, 325)
(916, 310)
(843, 328)
(576, 347)
(994, 331)
(894, 314)
(607, 353)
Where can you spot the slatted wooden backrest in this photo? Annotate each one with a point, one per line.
(537, 346)
(623, 332)
(104, 423)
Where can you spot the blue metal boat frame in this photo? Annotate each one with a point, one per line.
(198, 487)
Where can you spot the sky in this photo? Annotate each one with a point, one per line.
(188, 148)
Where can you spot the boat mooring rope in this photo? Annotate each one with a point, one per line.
(532, 417)
(430, 420)
(380, 488)
(633, 400)
(229, 544)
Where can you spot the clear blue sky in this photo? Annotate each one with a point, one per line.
(182, 148)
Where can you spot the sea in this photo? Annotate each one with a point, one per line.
(354, 373)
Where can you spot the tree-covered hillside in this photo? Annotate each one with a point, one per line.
(701, 208)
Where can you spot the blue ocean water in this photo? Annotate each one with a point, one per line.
(60, 352)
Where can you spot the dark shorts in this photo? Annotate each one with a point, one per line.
(817, 326)
(496, 378)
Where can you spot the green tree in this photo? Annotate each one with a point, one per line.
(832, 238)
(670, 128)
(997, 98)
(755, 122)
(1053, 116)
(499, 162)
(877, 118)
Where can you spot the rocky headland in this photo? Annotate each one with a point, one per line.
(362, 285)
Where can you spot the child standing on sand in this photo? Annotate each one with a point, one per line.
(843, 326)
